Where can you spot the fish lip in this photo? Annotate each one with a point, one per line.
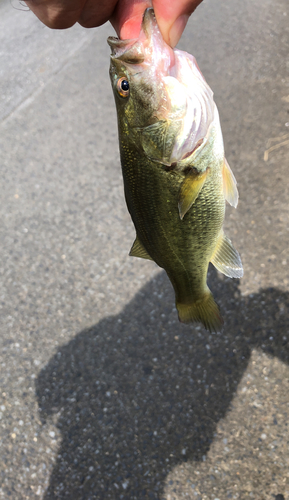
(114, 42)
(149, 21)
(119, 47)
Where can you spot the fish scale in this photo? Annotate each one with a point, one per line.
(151, 195)
(177, 203)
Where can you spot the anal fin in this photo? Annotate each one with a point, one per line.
(226, 258)
(190, 190)
(230, 185)
(138, 250)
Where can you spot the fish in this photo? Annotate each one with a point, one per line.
(176, 177)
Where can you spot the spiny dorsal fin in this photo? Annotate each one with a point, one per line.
(230, 185)
(190, 190)
(138, 250)
(226, 259)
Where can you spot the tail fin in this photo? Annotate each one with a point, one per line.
(204, 310)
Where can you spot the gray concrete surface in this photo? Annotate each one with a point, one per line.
(104, 395)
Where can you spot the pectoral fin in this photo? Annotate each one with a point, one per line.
(190, 190)
(230, 185)
(138, 250)
(226, 259)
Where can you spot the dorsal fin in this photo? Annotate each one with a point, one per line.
(230, 185)
(226, 259)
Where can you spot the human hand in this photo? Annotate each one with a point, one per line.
(172, 17)
(125, 15)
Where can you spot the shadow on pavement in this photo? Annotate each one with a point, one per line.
(140, 393)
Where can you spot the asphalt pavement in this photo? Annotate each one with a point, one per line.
(104, 394)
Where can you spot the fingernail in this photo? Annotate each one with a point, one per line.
(177, 29)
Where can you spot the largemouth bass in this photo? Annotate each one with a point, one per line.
(176, 178)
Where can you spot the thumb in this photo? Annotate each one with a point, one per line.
(172, 17)
(127, 17)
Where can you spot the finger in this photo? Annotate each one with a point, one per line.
(172, 17)
(57, 14)
(95, 13)
(127, 17)
(60, 14)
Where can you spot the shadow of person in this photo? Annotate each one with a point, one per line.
(139, 393)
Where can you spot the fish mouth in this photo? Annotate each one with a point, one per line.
(132, 51)
(149, 23)
(118, 46)
(127, 51)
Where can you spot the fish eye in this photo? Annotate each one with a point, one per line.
(123, 87)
